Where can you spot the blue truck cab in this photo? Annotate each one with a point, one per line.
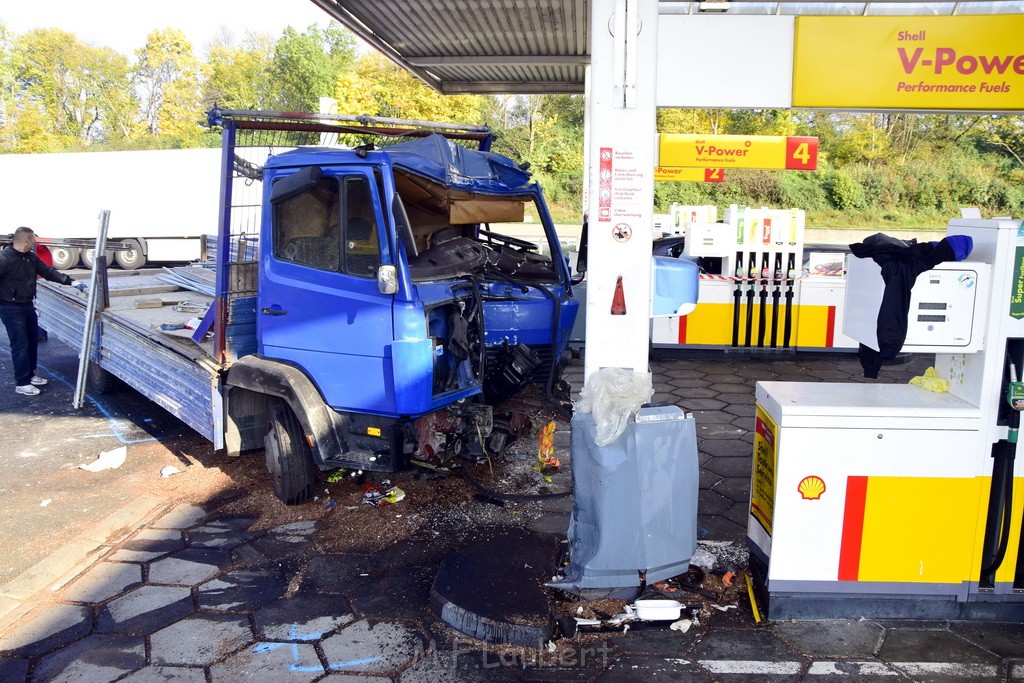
(394, 317)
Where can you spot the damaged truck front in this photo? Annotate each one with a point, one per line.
(394, 318)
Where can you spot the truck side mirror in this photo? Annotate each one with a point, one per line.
(387, 279)
(297, 183)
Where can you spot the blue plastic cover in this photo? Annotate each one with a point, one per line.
(452, 165)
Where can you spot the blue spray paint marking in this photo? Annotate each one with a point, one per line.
(293, 633)
(114, 432)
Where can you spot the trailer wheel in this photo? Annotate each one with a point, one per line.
(88, 260)
(101, 381)
(64, 258)
(131, 258)
(289, 460)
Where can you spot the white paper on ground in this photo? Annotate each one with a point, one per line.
(108, 460)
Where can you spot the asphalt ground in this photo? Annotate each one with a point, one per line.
(124, 575)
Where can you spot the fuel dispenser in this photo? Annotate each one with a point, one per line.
(892, 501)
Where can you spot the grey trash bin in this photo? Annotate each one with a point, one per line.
(634, 503)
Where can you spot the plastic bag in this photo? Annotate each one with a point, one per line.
(612, 395)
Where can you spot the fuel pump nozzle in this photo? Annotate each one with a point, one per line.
(1015, 399)
(997, 529)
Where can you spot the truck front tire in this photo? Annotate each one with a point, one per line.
(289, 460)
(131, 258)
(64, 258)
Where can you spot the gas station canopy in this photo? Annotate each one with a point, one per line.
(542, 46)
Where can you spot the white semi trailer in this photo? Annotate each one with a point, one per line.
(161, 202)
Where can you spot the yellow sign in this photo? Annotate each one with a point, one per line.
(692, 175)
(762, 477)
(909, 62)
(738, 151)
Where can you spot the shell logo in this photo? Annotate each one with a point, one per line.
(811, 488)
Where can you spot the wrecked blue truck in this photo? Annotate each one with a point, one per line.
(363, 305)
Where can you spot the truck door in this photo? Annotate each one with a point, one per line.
(319, 305)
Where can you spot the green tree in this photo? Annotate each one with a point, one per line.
(377, 87)
(167, 78)
(306, 66)
(82, 91)
(237, 74)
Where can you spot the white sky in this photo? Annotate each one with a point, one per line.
(124, 24)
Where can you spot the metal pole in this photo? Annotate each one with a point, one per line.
(89, 323)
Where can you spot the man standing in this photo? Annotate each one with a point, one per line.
(19, 267)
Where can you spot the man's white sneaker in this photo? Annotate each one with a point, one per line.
(27, 390)
(38, 381)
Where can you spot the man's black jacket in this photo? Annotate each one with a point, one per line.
(18, 273)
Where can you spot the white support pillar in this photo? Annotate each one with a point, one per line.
(622, 155)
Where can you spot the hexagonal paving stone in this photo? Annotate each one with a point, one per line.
(329, 573)
(277, 548)
(730, 467)
(242, 590)
(736, 489)
(727, 448)
(46, 627)
(738, 398)
(697, 395)
(103, 581)
(225, 533)
(200, 640)
(372, 648)
(716, 431)
(160, 674)
(96, 658)
(711, 503)
(718, 528)
(270, 662)
(145, 610)
(181, 517)
(188, 567)
(149, 544)
(302, 617)
(688, 383)
(712, 417)
(700, 403)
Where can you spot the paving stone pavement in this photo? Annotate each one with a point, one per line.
(197, 595)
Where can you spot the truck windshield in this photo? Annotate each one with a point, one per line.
(481, 235)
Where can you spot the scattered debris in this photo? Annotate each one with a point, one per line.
(378, 497)
(724, 608)
(337, 475)
(727, 579)
(168, 471)
(108, 460)
(329, 504)
(45, 503)
(682, 625)
(546, 449)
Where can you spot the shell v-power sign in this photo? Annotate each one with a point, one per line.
(957, 63)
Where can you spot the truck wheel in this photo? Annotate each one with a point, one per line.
(64, 258)
(131, 258)
(88, 260)
(101, 381)
(289, 460)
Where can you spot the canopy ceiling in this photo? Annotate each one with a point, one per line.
(541, 46)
